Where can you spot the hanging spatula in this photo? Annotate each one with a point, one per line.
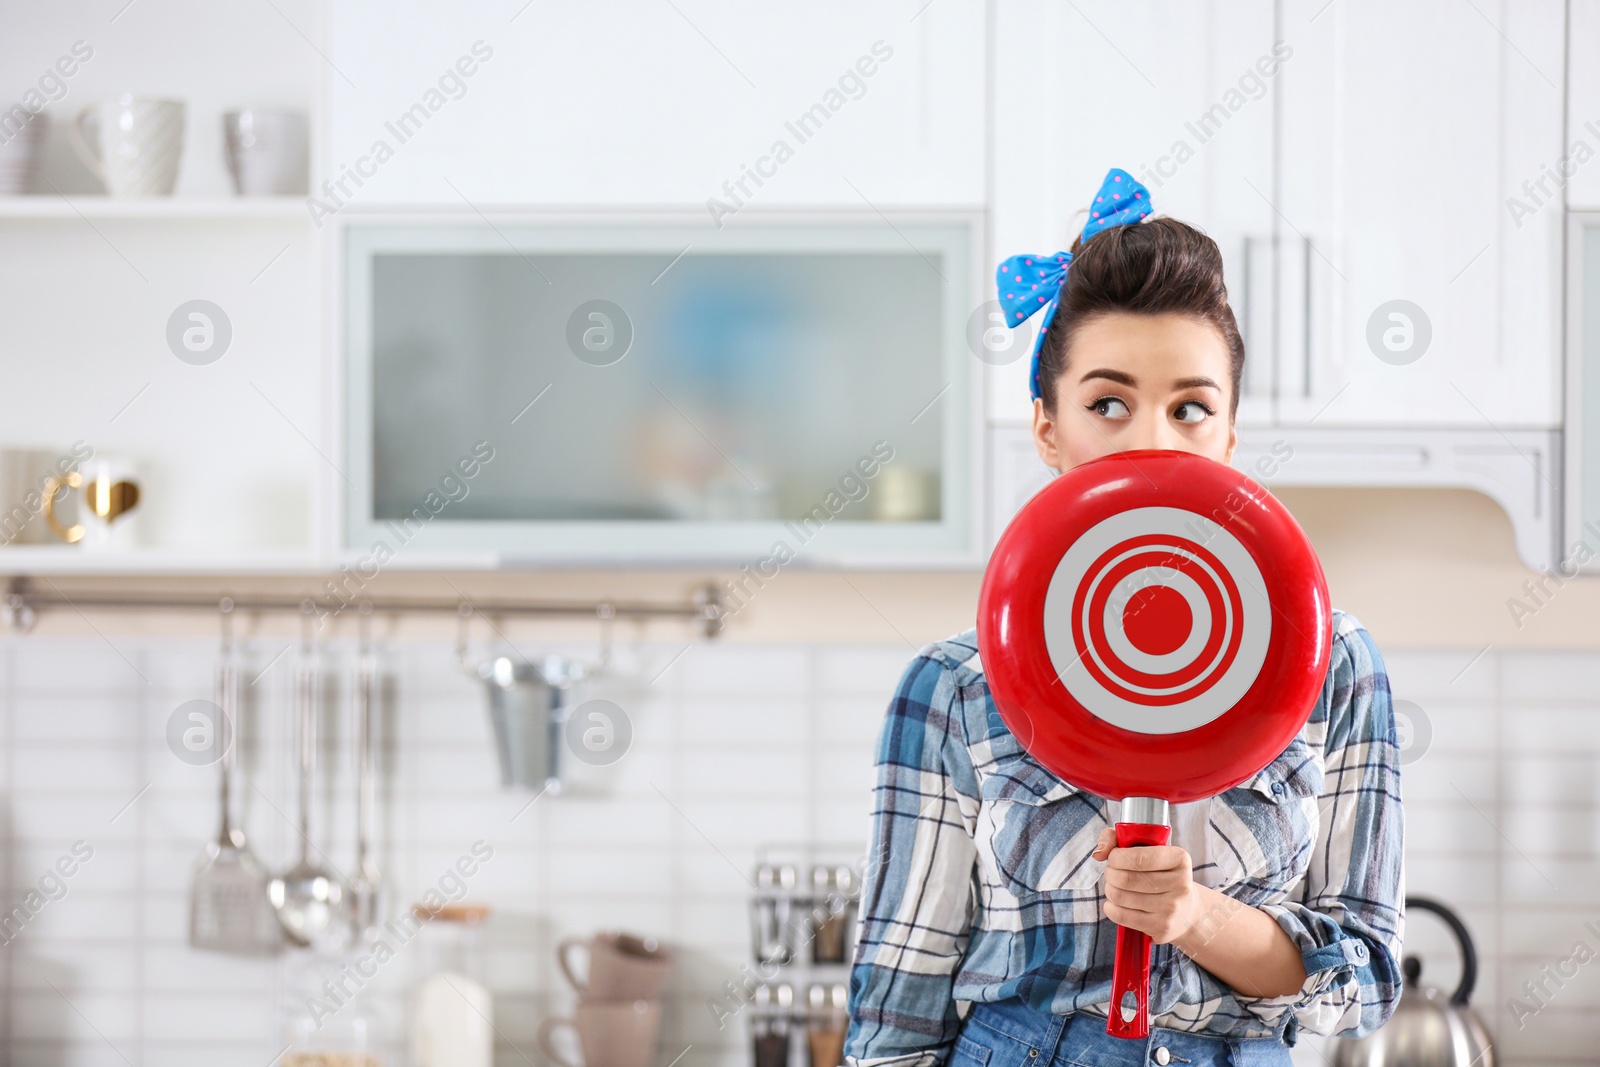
(228, 906)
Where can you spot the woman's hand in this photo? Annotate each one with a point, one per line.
(1149, 888)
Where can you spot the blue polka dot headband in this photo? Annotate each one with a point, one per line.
(1030, 283)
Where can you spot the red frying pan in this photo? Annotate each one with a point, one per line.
(1154, 628)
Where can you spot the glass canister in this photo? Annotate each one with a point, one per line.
(772, 913)
(826, 1020)
(330, 1021)
(770, 1020)
(453, 1012)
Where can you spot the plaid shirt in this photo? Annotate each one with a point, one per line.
(985, 889)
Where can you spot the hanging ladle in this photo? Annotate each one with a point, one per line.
(308, 897)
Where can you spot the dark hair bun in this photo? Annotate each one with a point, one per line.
(1155, 267)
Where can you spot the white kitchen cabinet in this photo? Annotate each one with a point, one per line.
(1187, 111)
(1519, 470)
(662, 104)
(1017, 474)
(1343, 156)
(1407, 133)
(220, 449)
(1356, 153)
(1580, 162)
(226, 452)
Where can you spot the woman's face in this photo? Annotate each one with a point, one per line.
(1139, 381)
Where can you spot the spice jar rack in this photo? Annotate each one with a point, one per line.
(803, 921)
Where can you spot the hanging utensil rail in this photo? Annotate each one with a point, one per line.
(23, 604)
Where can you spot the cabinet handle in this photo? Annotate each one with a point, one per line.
(1249, 310)
(1305, 318)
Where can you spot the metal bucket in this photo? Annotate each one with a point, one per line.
(528, 709)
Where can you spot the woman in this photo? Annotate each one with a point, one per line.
(1277, 905)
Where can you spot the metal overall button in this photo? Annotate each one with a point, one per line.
(1161, 1055)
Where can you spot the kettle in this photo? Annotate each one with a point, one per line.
(1426, 1029)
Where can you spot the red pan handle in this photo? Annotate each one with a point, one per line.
(1131, 971)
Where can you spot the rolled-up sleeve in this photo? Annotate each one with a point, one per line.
(918, 896)
(1347, 919)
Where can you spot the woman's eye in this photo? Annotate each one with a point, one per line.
(1192, 411)
(1110, 407)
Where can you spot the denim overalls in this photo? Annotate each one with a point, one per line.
(1011, 1034)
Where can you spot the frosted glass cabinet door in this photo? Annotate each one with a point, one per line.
(1581, 541)
(655, 391)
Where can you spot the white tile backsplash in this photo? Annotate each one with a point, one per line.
(723, 722)
(759, 672)
(1444, 828)
(853, 720)
(1444, 676)
(868, 672)
(1545, 679)
(735, 748)
(1561, 1032)
(1449, 777)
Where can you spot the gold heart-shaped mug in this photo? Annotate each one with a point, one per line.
(107, 497)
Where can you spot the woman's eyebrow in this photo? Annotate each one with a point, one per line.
(1122, 378)
(1111, 375)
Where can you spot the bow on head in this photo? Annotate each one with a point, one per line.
(1032, 283)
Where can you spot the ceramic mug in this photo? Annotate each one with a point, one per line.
(108, 492)
(266, 151)
(610, 1033)
(621, 966)
(138, 146)
(19, 151)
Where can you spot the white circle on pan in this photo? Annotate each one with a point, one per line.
(1117, 604)
(1255, 625)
